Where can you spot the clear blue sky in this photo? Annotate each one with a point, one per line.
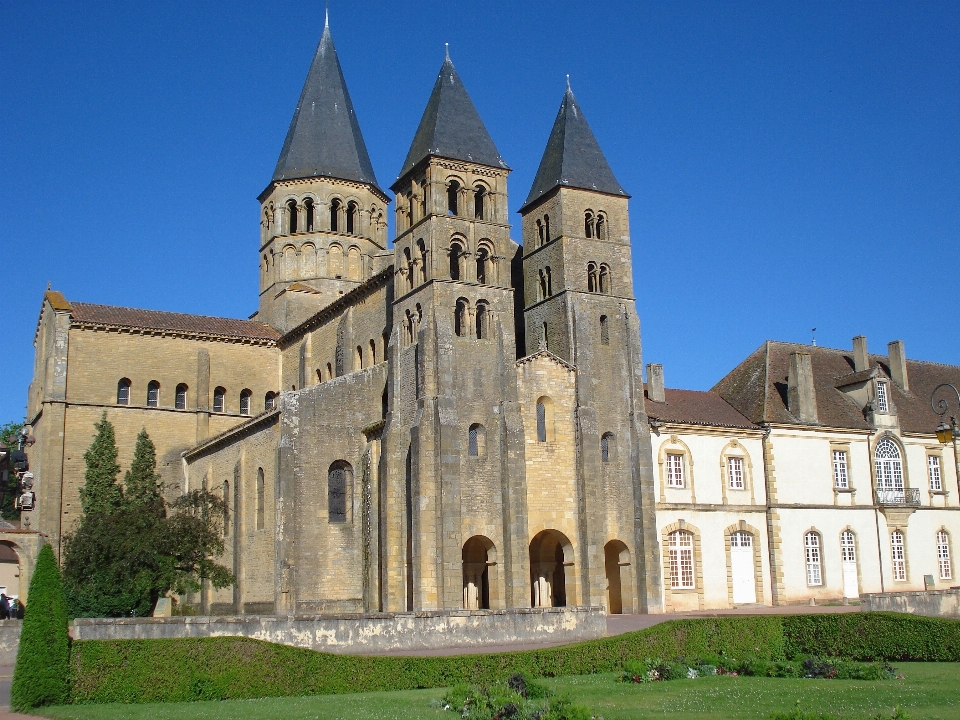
(792, 165)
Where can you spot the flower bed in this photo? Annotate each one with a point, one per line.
(657, 670)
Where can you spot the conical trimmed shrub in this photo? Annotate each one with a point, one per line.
(42, 673)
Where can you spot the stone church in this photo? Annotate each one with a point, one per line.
(460, 421)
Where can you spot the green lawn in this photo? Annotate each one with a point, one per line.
(930, 690)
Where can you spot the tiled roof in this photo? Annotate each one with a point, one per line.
(697, 407)
(123, 317)
(758, 387)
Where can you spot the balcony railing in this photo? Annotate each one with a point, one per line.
(907, 496)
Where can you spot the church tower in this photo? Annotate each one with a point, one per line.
(579, 304)
(453, 389)
(323, 226)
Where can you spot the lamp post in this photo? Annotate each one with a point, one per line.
(945, 433)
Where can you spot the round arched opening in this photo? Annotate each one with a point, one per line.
(551, 554)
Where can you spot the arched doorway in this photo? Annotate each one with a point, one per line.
(479, 561)
(550, 555)
(619, 584)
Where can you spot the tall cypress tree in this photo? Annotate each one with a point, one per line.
(101, 493)
(42, 673)
(141, 484)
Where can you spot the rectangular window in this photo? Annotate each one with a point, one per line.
(898, 556)
(811, 543)
(675, 471)
(840, 480)
(735, 473)
(933, 470)
(882, 396)
(681, 561)
(943, 556)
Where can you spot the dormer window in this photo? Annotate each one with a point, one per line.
(882, 405)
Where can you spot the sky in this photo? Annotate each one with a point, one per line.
(791, 165)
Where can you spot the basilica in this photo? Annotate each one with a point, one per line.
(454, 419)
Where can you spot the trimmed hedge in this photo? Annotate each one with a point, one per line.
(228, 667)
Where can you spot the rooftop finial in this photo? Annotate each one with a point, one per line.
(446, 50)
(326, 17)
(568, 83)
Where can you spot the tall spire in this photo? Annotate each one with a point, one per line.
(573, 157)
(324, 138)
(451, 126)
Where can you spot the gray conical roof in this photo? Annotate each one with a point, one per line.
(451, 126)
(324, 137)
(573, 157)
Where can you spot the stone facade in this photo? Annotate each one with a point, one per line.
(460, 421)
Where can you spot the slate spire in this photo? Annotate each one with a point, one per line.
(573, 157)
(324, 138)
(451, 126)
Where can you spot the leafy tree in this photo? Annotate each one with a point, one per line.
(100, 492)
(8, 490)
(123, 558)
(42, 673)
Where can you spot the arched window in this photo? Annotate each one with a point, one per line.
(608, 447)
(889, 467)
(308, 212)
(477, 440)
(245, 396)
(408, 262)
(226, 508)
(352, 218)
(335, 206)
(943, 555)
(591, 277)
(359, 357)
(541, 285)
(339, 480)
(546, 228)
(549, 280)
(588, 224)
(479, 198)
(544, 420)
(330, 375)
(373, 352)
(180, 400)
(270, 401)
(422, 250)
(219, 394)
(483, 320)
(601, 232)
(260, 499)
(460, 321)
(680, 547)
(539, 232)
(408, 326)
(123, 392)
(335, 264)
(153, 394)
(811, 546)
(483, 265)
(291, 217)
(456, 255)
(604, 330)
(604, 285)
(898, 556)
(453, 192)
(353, 263)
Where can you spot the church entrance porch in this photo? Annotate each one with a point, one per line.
(552, 575)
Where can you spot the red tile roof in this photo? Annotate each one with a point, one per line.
(112, 316)
(696, 407)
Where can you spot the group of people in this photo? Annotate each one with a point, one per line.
(10, 608)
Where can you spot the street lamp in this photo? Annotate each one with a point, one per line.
(945, 433)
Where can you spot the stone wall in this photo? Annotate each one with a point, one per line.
(9, 640)
(369, 634)
(934, 603)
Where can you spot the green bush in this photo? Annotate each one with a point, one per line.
(229, 667)
(516, 699)
(42, 674)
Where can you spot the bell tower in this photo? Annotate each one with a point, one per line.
(323, 222)
(578, 301)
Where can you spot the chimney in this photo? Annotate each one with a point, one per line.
(898, 363)
(801, 397)
(655, 382)
(860, 359)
